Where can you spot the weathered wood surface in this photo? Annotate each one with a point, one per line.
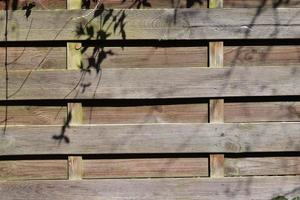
(154, 138)
(33, 58)
(145, 167)
(39, 4)
(262, 111)
(258, 188)
(157, 24)
(262, 166)
(261, 3)
(177, 113)
(32, 115)
(261, 55)
(36, 58)
(33, 169)
(61, 4)
(152, 83)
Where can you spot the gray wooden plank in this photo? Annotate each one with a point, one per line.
(258, 188)
(158, 24)
(152, 138)
(254, 166)
(151, 83)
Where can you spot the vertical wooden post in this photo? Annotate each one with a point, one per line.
(74, 109)
(216, 106)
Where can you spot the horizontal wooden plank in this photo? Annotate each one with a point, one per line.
(261, 56)
(258, 188)
(262, 111)
(157, 24)
(61, 4)
(33, 169)
(32, 115)
(33, 58)
(152, 138)
(254, 166)
(151, 83)
(38, 4)
(151, 57)
(145, 167)
(177, 113)
(37, 58)
(260, 3)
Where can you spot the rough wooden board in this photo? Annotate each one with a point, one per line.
(178, 113)
(262, 55)
(158, 24)
(33, 58)
(264, 166)
(75, 167)
(32, 115)
(152, 83)
(260, 3)
(36, 58)
(33, 169)
(160, 138)
(145, 167)
(61, 4)
(152, 57)
(39, 4)
(258, 188)
(216, 165)
(262, 111)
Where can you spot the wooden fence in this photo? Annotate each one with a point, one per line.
(150, 99)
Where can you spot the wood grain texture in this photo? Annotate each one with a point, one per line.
(258, 188)
(262, 166)
(36, 58)
(216, 165)
(33, 58)
(155, 138)
(39, 4)
(262, 111)
(75, 166)
(33, 169)
(152, 83)
(157, 24)
(260, 3)
(261, 56)
(61, 4)
(32, 115)
(147, 167)
(148, 57)
(178, 113)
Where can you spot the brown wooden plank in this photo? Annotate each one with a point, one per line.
(145, 167)
(36, 58)
(262, 56)
(262, 111)
(177, 113)
(258, 188)
(144, 57)
(157, 24)
(260, 3)
(32, 115)
(154, 138)
(75, 167)
(33, 169)
(33, 58)
(152, 83)
(255, 166)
